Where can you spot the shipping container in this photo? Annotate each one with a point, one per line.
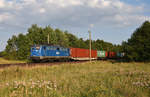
(82, 54)
(119, 55)
(101, 54)
(122, 54)
(111, 55)
(106, 53)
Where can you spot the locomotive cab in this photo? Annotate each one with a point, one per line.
(35, 52)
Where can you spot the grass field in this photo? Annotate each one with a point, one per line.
(96, 79)
(4, 61)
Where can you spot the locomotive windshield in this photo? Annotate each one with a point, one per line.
(36, 48)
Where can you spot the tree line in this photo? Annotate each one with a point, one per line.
(136, 48)
(18, 47)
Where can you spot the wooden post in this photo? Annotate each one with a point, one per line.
(90, 43)
(48, 38)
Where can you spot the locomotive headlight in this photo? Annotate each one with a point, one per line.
(57, 53)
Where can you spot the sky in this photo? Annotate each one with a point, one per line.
(113, 20)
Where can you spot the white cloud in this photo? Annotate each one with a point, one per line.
(5, 17)
(99, 3)
(64, 3)
(2, 3)
(118, 4)
(29, 1)
(72, 12)
(42, 10)
(143, 18)
(5, 4)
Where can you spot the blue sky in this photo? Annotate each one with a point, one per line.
(114, 20)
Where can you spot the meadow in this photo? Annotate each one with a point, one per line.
(5, 61)
(95, 79)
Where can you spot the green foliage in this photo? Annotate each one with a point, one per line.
(18, 47)
(106, 46)
(73, 40)
(3, 53)
(137, 48)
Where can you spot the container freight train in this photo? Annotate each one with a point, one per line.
(49, 52)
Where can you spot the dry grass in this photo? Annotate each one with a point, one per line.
(96, 79)
(4, 61)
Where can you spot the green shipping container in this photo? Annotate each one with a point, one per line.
(101, 54)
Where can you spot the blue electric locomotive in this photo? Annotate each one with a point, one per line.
(41, 52)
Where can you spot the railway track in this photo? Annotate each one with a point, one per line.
(38, 64)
